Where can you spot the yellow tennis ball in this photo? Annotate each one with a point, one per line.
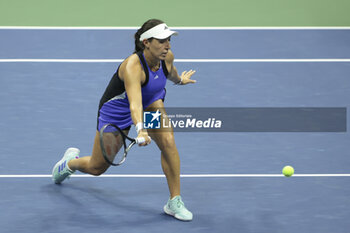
(288, 171)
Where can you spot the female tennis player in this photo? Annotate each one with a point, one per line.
(137, 86)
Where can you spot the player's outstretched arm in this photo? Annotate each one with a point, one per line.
(184, 78)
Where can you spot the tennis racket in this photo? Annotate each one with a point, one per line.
(115, 144)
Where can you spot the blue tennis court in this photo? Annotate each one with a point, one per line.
(49, 105)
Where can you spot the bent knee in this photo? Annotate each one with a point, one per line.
(166, 141)
(97, 171)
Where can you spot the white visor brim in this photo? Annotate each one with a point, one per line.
(161, 31)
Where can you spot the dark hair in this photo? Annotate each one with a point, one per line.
(146, 26)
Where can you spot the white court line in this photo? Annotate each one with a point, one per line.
(176, 60)
(183, 175)
(175, 28)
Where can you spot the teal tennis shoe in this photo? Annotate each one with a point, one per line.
(175, 207)
(61, 170)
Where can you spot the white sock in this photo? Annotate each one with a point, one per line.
(174, 198)
(70, 170)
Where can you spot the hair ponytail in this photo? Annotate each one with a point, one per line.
(139, 46)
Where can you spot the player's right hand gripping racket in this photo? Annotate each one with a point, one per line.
(115, 144)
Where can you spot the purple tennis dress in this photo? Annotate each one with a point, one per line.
(114, 105)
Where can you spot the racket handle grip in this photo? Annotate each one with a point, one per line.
(141, 140)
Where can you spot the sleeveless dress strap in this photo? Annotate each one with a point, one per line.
(144, 65)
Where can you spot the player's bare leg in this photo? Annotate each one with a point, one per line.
(170, 164)
(170, 159)
(94, 164)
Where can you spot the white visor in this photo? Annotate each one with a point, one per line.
(161, 31)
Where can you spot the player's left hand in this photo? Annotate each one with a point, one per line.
(186, 77)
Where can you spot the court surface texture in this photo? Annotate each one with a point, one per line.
(51, 82)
